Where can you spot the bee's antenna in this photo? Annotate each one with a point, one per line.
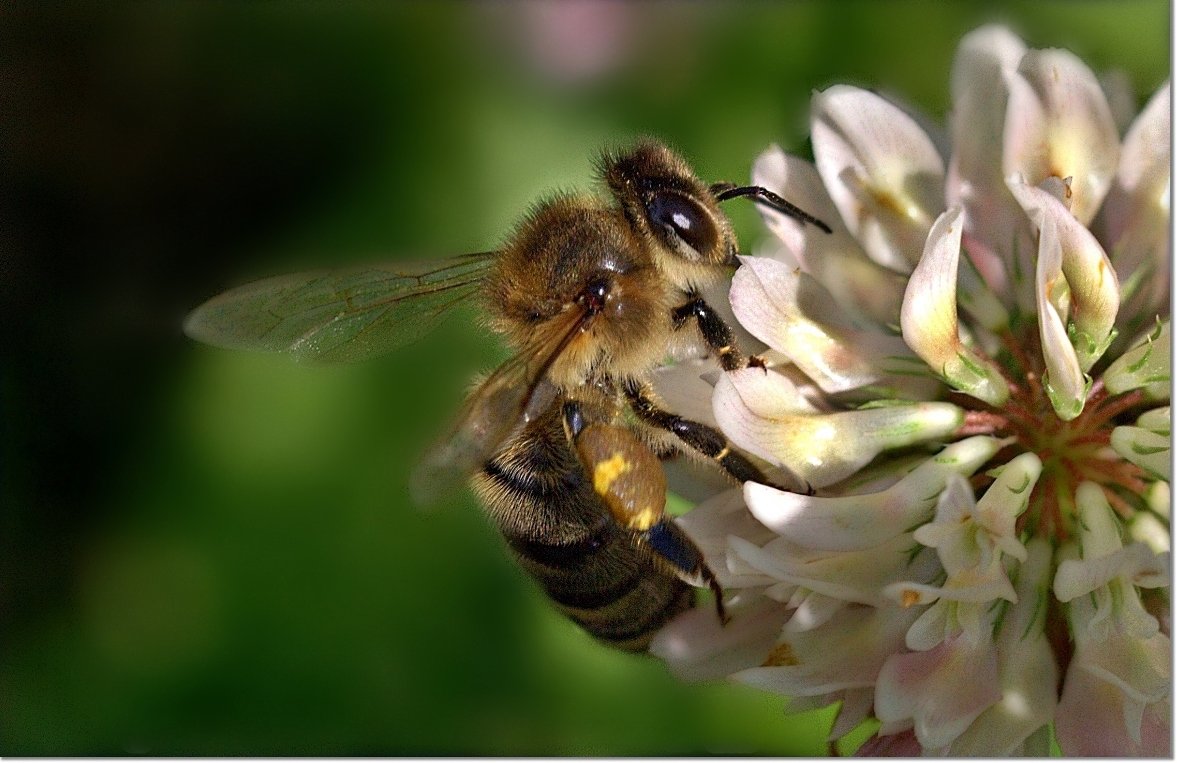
(760, 194)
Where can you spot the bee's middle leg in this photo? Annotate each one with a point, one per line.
(703, 439)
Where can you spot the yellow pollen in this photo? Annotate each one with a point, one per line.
(644, 519)
(781, 654)
(606, 472)
(910, 598)
(895, 204)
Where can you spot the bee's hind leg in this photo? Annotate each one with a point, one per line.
(680, 554)
(628, 477)
(700, 438)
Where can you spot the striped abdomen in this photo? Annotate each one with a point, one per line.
(536, 492)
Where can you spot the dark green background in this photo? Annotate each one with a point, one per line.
(207, 553)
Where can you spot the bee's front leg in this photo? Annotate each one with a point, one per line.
(714, 329)
(629, 479)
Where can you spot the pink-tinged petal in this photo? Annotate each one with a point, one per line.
(697, 647)
(929, 317)
(1136, 214)
(758, 412)
(986, 58)
(1093, 288)
(1058, 124)
(783, 308)
(1139, 667)
(942, 690)
(852, 522)
(1105, 714)
(862, 287)
(900, 745)
(1027, 671)
(882, 171)
(1066, 384)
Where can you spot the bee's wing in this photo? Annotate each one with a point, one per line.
(515, 393)
(336, 316)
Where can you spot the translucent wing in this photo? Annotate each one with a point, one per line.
(514, 394)
(339, 316)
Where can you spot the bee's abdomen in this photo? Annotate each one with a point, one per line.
(608, 589)
(563, 536)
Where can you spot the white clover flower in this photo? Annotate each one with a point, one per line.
(972, 373)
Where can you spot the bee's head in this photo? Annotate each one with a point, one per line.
(667, 204)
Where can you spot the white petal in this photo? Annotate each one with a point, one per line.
(1104, 559)
(1091, 720)
(1094, 287)
(1058, 124)
(697, 647)
(1146, 449)
(930, 629)
(1066, 384)
(882, 171)
(984, 60)
(929, 318)
(813, 611)
(850, 576)
(943, 690)
(1135, 218)
(1158, 420)
(757, 411)
(1152, 532)
(1005, 500)
(861, 286)
(844, 654)
(861, 521)
(970, 588)
(855, 709)
(784, 308)
(1121, 96)
(1144, 157)
(711, 522)
(684, 390)
(1148, 364)
(1026, 669)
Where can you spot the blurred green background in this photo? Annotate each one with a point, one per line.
(210, 553)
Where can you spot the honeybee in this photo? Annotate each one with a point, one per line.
(564, 438)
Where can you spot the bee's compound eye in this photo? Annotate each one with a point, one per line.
(674, 212)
